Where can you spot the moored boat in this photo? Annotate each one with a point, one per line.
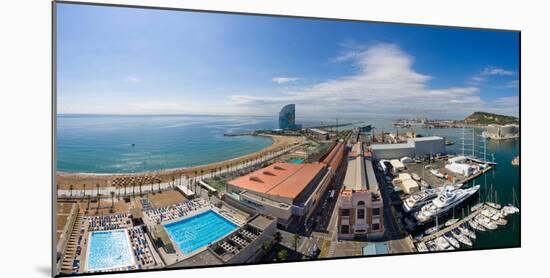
(421, 247)
(462, 238)
(476, 226)
(485, 222)
(449, 237)
(466, 231)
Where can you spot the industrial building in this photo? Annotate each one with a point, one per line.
(319, 134)
(360, 206)
(414, 147)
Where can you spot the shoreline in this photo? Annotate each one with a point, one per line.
(65, 179)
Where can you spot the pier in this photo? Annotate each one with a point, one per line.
(455, 225)
(239, 134)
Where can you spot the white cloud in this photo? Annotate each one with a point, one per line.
(490, 70)
(385, 85)
(283, 80)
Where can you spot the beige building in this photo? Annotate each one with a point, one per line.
(360, 206)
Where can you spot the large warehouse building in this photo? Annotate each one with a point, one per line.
(415, 147)
(283, 190)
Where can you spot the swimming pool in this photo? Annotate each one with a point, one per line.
(108, 250)
(297, 161)
(193, 233)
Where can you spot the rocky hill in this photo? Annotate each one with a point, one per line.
(484, 118)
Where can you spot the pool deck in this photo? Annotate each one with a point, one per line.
(170, 259)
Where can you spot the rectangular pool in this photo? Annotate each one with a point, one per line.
(108, 250)
(195, 232)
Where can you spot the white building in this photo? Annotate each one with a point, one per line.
(461, 169)
(414, 147)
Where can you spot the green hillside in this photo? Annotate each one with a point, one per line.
(484, 118)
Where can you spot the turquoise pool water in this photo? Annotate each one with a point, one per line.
(297, 161)
(193, 233)
(108, 250)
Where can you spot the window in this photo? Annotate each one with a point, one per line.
(344, 229)
(375, 211)
(360, 203)
(345, 212)
(375, 227)
(360, 214)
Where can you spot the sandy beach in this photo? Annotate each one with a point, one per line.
(64, 180)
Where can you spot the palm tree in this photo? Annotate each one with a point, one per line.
(112, 201)
(277, 237)
(84, 192)
(71, 190)
(97, 195)
(295, 240)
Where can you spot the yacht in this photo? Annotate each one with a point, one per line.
(448, 237)
(494, 205)
(446, 200)
(466, 231)
(461, 237)
(421, 247)
(442, 245)
(431, 245)
(476, 226)
(485, 222)
(418, 199)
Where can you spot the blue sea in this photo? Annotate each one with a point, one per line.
(128, 144)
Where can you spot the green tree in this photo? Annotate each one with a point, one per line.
(266, 246)
(282, 255)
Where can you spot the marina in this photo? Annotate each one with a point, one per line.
(457, 231)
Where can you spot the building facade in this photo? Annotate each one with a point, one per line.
(360, 206)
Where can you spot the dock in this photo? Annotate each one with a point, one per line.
(239, 134)
(455, 225)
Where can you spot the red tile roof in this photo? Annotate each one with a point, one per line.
(279, 179)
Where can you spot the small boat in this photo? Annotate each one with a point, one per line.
(509, 209)
(461, 237)
(431, 245)
(476, 207)
(451, 222)
(467, 232)
(415, 176)
(421, 247)
(449, 142)
(449, 237)
(436, 173)
(515, 161)
(485, 222)
(476, 226)
(442, 244)
(494, 205)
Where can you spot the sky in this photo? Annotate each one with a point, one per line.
(115, 60)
